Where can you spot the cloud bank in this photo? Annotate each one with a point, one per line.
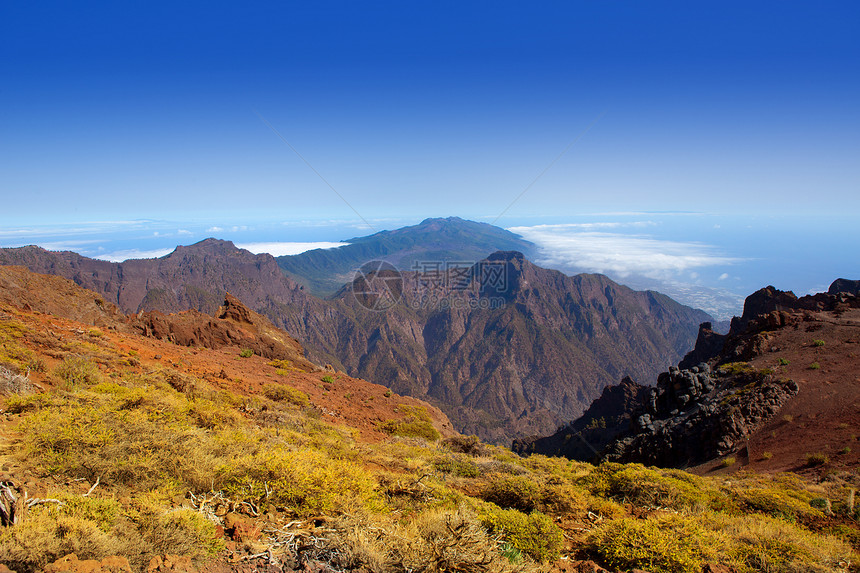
(580, 246)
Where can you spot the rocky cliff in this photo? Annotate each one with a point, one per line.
(702, 412)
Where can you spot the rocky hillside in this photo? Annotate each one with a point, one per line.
(785, 359)
(177, 444)
(503, 363)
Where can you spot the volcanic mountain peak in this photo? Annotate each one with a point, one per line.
(432, 242)
(214, 247)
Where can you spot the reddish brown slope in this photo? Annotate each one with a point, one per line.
(824, 417)
(60, 319)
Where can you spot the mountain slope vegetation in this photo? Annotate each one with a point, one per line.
(130, 451)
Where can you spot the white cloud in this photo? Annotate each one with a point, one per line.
(569, 246)
(183, 232)
(214, 229)
(724, 276)
(124, 255)
(278, 249)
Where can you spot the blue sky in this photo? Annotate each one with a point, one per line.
(127, 112)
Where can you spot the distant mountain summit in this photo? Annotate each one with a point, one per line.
(452, 239)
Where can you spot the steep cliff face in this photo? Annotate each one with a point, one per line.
(506, 354)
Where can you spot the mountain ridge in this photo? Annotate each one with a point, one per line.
(519, 369)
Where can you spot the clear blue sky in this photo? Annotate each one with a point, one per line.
(121, 110)
(748, 111)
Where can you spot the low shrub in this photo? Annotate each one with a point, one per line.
(761, 543)
(416, 424)
(456, 466)
(663, 544)
(246, 353)
(305, 481)
(470, 445)
(652, 487)
(283, 393)
(533, 534)
(782, 496)
(75, 372)
(529, 493)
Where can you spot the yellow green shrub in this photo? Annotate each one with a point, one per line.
(762, 543)
(283, 393)
(130, 438)
(533, 534)
(75, 372)
(456, 464)
(180, 531)
(653, 487)
(305, 481)
(103, 512)
(782, 495)
(663, 544)
(532, 492)
(46, 536)
(206, 414)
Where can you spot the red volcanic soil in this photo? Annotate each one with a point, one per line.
(822, 352)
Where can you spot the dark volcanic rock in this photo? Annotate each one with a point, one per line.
(708, 345)
(844, 285)
(607, 418)
(694, 416)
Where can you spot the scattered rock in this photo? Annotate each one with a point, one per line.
(71, 564)
(170, 564)
(240, 528)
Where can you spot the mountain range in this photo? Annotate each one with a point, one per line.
(505, 362)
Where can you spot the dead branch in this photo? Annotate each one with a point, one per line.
(35, 501)
(98, 479)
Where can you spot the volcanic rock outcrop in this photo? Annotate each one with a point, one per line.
(716, 400)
